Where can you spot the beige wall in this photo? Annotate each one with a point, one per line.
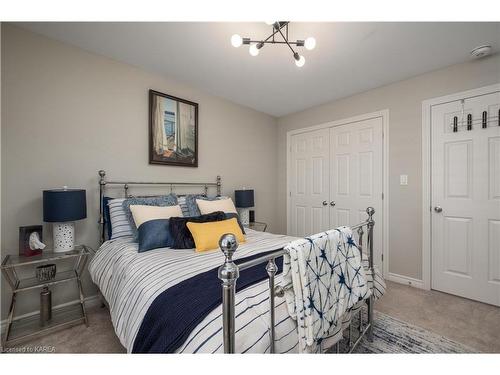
(68, 113)
(404, 101)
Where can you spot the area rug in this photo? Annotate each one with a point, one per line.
(391, 335)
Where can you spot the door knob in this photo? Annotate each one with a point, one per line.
(332, 203)
(438, 209)
(325, 203)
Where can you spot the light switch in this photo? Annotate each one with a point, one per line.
(403, 179)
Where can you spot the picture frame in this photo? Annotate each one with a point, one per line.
(173, 130)
(24, 238)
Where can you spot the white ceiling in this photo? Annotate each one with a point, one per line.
(349, 57)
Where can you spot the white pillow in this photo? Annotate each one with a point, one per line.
(225, 205)
(143, 213)
(120, 226)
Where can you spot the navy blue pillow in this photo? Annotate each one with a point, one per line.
(154, 234)
(107, 217)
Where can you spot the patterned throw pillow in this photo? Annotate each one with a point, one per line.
(192, 207)
(118, 218)
(163, 200)
(182, 202)
(180, 232)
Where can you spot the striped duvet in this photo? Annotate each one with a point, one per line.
(130, 281)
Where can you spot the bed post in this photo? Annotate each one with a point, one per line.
(228, 273)
(102, 185)
(219, 186)
(370, 211)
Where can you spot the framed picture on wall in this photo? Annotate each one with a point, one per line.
(173, 130)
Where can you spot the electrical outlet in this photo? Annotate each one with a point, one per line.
(403, 179)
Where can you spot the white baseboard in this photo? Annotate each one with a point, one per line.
(400, 279)
(90, 302)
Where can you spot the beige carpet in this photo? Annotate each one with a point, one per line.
(471, 323)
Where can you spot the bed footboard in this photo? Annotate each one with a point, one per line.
(229, 273)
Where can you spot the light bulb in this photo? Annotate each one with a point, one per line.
(236, 40)
(300, 62)
(270, 23)
(253, 50)
(310, 43)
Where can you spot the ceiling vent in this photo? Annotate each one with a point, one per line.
(481, 51)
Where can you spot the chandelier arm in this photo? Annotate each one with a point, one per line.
(298, 44)
(287, 43)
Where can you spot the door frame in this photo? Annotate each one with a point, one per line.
(427, 170)
(384, 114)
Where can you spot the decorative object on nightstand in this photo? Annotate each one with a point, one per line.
(244, 200)
(62, 207)
(49, 319)
(258, 226)
(30, 240)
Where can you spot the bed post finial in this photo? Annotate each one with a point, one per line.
(228, 273)
(219, 186)
(370, 211)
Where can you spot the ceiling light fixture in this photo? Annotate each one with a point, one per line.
(280, 29)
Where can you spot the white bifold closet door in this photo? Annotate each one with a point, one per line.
(466, 199)
(310, 164)
(335, 174)
(356, 177)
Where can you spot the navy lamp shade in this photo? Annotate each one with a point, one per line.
(62, 207)
(243, 201)
(244, 198)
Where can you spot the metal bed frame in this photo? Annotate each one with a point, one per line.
(127, 184)
(229, 273)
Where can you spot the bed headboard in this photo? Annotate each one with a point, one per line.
(126, 185)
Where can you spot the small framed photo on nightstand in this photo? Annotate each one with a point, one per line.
(30, 245)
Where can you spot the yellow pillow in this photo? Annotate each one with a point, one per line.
(207, 235)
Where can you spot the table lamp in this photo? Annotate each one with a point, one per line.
(63, 207)
(244, 200)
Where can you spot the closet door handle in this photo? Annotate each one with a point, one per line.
(325, 203)
(332, 203)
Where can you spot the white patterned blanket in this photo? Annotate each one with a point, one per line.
(328, 279)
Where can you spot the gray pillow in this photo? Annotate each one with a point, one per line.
(162, 200)
(192, 206)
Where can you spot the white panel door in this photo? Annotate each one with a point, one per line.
(356, 176)
(466, 199)
(309, 184)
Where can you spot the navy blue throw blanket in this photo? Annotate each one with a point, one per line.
(178, 310)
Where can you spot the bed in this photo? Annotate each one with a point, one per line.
(130, 282)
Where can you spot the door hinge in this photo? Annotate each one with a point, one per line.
(382, 257)
(382, 196)
(289, 193)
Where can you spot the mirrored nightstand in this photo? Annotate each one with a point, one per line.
(68, 315)
(257, 225)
